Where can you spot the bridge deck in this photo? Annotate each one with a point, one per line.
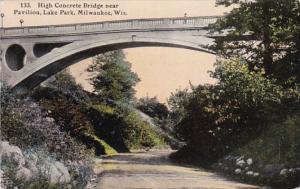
(132, 24)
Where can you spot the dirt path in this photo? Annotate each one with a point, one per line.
(153, 170)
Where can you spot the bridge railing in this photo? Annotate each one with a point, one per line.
(133, 24)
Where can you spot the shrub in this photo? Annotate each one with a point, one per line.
(12, 126)
(219, 118)
(70, 115)
(278, 144)
(153, 108)
(101, 147)
(138, 133)
(176, 103)
(121, 127)
(64, 108)
(65, 83)
(27, 126)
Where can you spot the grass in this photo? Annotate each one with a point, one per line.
(108, 150)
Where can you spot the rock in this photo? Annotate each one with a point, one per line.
(271, 170)
(1, 179)
(49, 119)
(33, 105)
(240, 158)
(292, 171)
(249, 173)
(228, 157)
(24, 173)
(1, 173)
(238, 171)
(32, 158)
(241, 163)
(32, 165)
(12, 153)
(283, 172)
(58, 173)
(250, 161)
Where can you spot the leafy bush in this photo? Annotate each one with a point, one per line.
(101, 144)
(70, 116)
(121, 128)
(278, 147)
(25, 125)
(278, 144)
(176, 103)
(138, 133)
(64, 108)
(102, 127)
(153, 108)
(65, 83)
(12, 126)
(222, 117)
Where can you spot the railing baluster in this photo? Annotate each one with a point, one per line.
(123, 24)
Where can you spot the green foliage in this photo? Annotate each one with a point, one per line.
(265, 34)
(278, 144)
(13, 128)
(70, 116)
(107, 149)
(27, 126)
(65, 82)
(122, 128)
(107, 125)
(113, 79)
(138, 133)
(222, 117)
(64, 108)
(24, 124)
(176, 103)
(153, 108)
(101, 127)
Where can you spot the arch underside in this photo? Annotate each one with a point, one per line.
(60, 58)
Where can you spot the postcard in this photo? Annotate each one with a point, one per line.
(128, 94)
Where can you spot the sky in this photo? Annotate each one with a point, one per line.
(161, 70)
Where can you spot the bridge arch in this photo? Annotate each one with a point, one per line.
(60, 58)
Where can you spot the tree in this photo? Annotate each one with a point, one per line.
(265, 33)
(219, 118)
(66, 83)
(177, 102)
(64, 80)
(153, 108)
(113, 78)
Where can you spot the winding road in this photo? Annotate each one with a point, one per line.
(153, 170)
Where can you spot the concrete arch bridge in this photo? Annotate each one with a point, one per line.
(30, 55)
